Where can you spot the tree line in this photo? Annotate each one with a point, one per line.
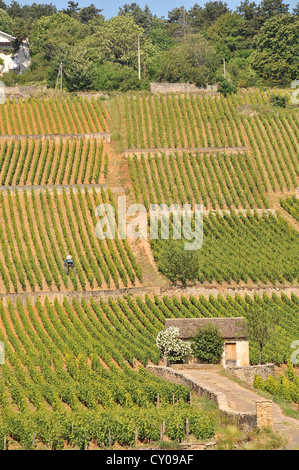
(252, 45)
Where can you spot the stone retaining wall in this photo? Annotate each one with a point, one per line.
(264, 413)
(51, 296)
(182, 88)
(105, 136)
(248, 373)
(244, 421)
(58, 187)
(21, 91)
(172, 151)
(142, 291)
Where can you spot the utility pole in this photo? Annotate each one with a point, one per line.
(59, 78)
(184, 23)
(224, 72)
(139, 65)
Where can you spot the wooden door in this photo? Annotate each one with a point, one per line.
(230, 354)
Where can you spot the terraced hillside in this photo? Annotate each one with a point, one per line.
(71, 372)
(42, 162)
(258, 248)
(53, 116)
(233, 153)
(39, 230)
(219, 125)
(217, 181)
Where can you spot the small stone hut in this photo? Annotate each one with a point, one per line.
(233, 330)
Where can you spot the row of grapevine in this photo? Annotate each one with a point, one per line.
(103, 428)
(184, 121)
(74, 115)
(271, 138)
(37, 162)
(244, 248)
(216, 181)
(37, 233)
(285, 386)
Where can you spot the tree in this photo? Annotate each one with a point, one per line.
(179, 23)
(72, 9)
(51, 35)
(296, 9)
(37, 10)
(270, 8)
(171, 346)
(249, 12)
(159, 36)
(277, 50)
(226, 34)
(178, 264)
(87, 14)
(14, 10)
(112, 76)
(195, 16)
(247, 9)
(194, 61)
(261, 325)
(207, 345)
(278, 100)
(119, 36)
(77, 69)
(6, 23)
(143, 18)
(212, 11)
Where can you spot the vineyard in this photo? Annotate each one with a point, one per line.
(39, 230)
(39, 162)
(216, 181)
(286, 387)
(75, 370)
(52, 116)
(68, 375)
(243, 248)
(199, 122)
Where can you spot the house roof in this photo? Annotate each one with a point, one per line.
(230, 328)
(7, 36)
(10, 38)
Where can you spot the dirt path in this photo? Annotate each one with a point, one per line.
(243, 400)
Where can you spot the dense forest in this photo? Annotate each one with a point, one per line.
(258, 44)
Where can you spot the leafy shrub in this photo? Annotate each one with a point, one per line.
(278, 100)
(115, 77)
(225, 86)
(207, 345)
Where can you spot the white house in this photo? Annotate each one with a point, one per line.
(17, 62)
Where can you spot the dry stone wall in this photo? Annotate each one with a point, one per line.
(244, 421)
(248, 373)
(182, 88)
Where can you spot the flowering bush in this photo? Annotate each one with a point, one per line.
(173, 347)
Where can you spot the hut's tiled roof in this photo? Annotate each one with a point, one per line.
(230, 328)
